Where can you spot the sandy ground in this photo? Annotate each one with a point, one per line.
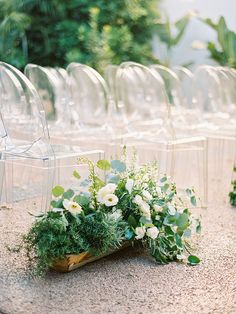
(128, 281)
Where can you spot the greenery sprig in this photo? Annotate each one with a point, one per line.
(232, 194)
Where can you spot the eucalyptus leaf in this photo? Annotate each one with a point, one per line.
(193, 260)
(193, 200)
(118, 165)
(68, 194)
(76, 174)
(58, 191)
(104, 164)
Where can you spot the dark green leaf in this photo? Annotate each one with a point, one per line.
(132, 221)
(193, 260)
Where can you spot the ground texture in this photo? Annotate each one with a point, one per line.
(128, 281)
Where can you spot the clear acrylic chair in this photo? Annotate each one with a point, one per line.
(209, 98)
(53, 91)
(31, 163)
(95, 106)
(144, 102)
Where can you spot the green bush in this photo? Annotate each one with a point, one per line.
(95, 32)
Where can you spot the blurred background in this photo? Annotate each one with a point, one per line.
(100, 32)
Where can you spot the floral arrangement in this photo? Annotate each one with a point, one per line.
(129, 204)
(232, 194)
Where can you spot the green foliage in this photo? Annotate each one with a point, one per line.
(225, 53)
(138, 206)
(232, 194)
(98, 32)
(58, 234)
(193, 260)
(171, 34)
(99, 232)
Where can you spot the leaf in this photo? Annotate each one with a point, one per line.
(58, 191)
(82, 200)
(193, 200)
(104, 164)
(68, 194)
(187, 233)
(182, 221)
(113, 178)
(189, 192)
(118, 165)
(163, 179)
(129, 234)
(132, 221)
(193, 260)
(144, 221)
(181, 26)
(76, 174)
(98, 182)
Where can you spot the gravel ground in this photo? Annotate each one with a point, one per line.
(128, 281)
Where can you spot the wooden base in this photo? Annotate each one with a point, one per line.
(73, 261)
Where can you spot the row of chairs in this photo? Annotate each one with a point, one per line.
(168, 115)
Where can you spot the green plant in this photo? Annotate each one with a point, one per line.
(132, 204)
(232, 194)
(98, 32)
(225, 52)
(171, 33)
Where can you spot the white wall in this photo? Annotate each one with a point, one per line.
(196, 30)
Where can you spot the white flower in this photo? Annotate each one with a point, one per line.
(157, 208)
(158, 190)
(110, 200)
(198, 44)
(137, 200)
(145, 209)
(129, 185)
(110, 187)
(140, 232)
(72, 207)
(171, 210)
(152, 232)
(147, 195)
(107, 189)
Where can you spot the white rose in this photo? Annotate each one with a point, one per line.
(140, 232)
(157, 208)
(152, 232)
(72, 207)
(129, 185)
(147, 195)
(137, 200)
(110, 200)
